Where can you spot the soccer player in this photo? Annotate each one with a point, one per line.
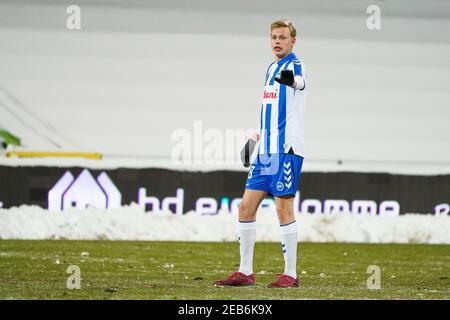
(277, 167)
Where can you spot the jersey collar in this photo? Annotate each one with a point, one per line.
(290, 56)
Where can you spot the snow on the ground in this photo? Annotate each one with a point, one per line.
(132, 223)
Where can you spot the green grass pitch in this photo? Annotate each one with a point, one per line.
(186, 270)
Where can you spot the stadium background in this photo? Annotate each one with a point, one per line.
(137, 72)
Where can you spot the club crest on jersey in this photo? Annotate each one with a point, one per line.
(270, 94)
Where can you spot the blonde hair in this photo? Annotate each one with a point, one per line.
(283, 23)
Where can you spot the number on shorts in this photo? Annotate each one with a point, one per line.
(250, 174)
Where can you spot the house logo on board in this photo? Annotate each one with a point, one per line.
(83, 192)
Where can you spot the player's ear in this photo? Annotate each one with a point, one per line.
(294, 40)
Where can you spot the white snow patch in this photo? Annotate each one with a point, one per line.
(132, 223)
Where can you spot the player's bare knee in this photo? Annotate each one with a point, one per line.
(281, 211)
(285, 215)
(246, 212)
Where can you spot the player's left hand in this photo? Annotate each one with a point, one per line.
(286, 77)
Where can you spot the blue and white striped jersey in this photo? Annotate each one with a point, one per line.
(281, 123)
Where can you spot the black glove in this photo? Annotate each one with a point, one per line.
(247, 151)
(286, 77)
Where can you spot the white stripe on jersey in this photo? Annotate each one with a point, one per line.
(273, 67)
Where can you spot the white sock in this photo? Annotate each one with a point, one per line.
(247, 235)
(289, 246)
